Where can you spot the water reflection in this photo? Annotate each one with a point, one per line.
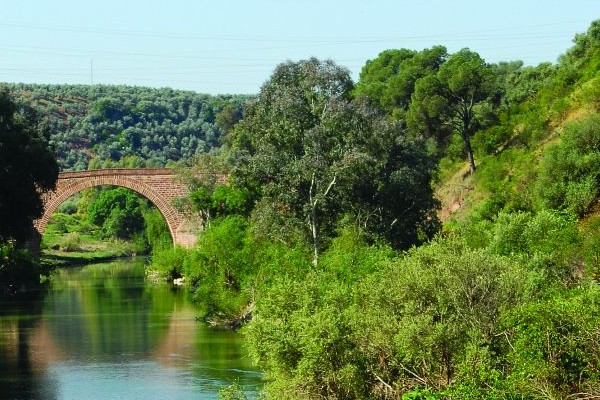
(101, 332)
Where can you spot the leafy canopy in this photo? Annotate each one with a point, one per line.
(27, 169)
(314, 157)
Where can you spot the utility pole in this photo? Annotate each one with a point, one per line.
(91, 71)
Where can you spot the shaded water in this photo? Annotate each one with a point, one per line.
(102, 332)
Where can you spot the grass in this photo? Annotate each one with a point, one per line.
(70, 240)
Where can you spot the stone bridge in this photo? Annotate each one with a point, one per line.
(159, 185)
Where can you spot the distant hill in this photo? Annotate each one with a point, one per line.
(93, 126)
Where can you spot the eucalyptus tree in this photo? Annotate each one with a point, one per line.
(315, 157)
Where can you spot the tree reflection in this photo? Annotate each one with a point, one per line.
(103, 312)
(22, 375)
(102, 321)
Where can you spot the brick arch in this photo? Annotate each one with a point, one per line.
(159, 185)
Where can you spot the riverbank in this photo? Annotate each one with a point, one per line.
(63, 260)
(62, 250)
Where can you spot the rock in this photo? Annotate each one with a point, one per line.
(179, 281)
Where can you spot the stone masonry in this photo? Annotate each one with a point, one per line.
(159, 185)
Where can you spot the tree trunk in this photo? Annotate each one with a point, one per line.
(315, 236)
(313, 217)
(469, 151)
(466, 116)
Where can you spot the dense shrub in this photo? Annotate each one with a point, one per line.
(570, 171)
(556, 345)
(18, 270)
(407, 326)
(219, 266)
(157, 233)
(169, 262)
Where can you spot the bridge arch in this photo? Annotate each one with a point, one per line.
(159, 185)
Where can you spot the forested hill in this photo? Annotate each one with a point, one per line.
(94, 126)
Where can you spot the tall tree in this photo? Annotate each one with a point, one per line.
(390, 79)
(314, 156)
(27, 169)
(462, 83)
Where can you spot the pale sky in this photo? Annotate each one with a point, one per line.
(232, 46)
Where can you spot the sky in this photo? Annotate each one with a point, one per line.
(233, 46)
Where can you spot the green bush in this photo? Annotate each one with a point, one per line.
(157, 233)
(69, 206)
(232, 392)
(591, 246)
(72, 242)
(18, 270)
(169, 262)
(555, 345)
(118, 211)
(570, 171)
(546, 232)
(404, 326)
(219, 268)
(490, 140)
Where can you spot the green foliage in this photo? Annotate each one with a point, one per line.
(449, 101)
(422, 394)
(488, 141)
(109, 126)
(547, 242)
(169, 262)
(349, 256)
(302, 342)
(18, 270)
(118, 211)
(591, 246)
(28, 169)
(314, 157)
(389, 332)
(70, 206)
(219, 201)
(555, 344)
(582, 58)
(230, 115)
(507, 178)
(229, 267)
(72, 242)
(570, 171)
(546, 232)
(228, 200)
(389, 80)
(219, 266)
(156, 230)
(232, 392)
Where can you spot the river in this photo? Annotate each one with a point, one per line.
(103, 332)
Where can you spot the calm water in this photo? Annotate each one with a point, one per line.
(102, 332)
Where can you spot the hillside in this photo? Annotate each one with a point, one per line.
(503, 304)
(95, 126)
(522, 158)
